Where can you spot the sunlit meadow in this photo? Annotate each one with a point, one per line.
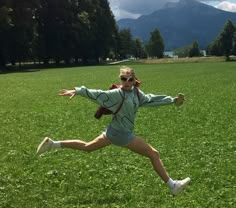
(197, 140)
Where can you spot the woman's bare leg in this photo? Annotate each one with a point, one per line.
(139, 146)
(98, 143)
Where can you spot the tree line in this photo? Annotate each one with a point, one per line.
(68, 31)
(56, 30)
(223, 45)
(73, 31)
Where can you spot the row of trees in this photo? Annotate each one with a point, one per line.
(223, 45)
(192, 50)
(67, 30)
(62, 30)
(128, 46)
(45, 30)
(80, 30)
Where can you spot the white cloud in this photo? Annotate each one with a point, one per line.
(142, 6)
(114, 4)
(227, 6)
(126, 14)
(135, 8)
(120, 12)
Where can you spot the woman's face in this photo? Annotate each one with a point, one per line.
(127, 81)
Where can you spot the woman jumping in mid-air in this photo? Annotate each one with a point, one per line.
(120, 130)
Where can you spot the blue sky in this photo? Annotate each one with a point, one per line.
(135, 8)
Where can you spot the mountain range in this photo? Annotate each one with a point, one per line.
(181, 23)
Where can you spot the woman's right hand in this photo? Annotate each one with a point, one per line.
(65, 92)
(179, 100)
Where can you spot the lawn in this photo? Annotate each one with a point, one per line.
(198, 140)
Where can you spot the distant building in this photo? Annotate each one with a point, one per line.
(203, 52)
(169, 54)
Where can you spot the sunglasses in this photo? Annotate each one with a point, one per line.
(129, 79)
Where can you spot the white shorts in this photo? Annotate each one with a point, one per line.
(118, 137)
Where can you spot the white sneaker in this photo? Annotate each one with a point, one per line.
(44, 146)
(179, 186)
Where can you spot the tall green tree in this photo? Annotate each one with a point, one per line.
(155, 46)
(226, 37)
(125, 43)
(215, 48)
(104, 28)
(139, 49)
(54, 20)
(5, 25)
(194, 50)
(21, 33)
(233, 51)
(82, 29)
(223, 43)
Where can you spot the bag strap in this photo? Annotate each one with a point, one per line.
(123, 99)
(137, 93)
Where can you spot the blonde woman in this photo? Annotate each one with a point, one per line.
(120, 130)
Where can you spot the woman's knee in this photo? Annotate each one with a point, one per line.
(154, 154)
(151, 153)
(88, 147)
(96, 144)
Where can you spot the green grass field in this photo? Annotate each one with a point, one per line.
(197, 140)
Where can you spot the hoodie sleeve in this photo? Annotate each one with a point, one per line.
(109, 99)
(154, 100)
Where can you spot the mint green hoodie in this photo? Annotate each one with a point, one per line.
(111, 99)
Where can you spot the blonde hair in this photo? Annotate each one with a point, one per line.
(125, 70)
